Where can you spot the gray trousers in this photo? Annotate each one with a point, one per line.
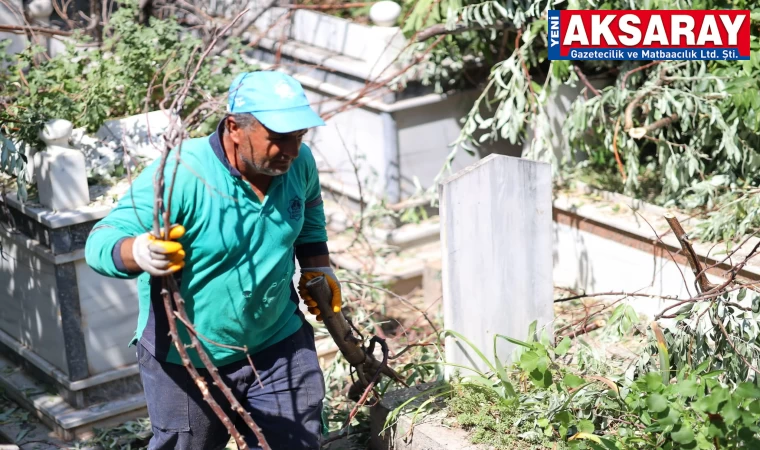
(287, 409)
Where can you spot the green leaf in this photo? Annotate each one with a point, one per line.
(501, 9)
(543, 363)
(682, 434)
(480, 381)
(653, 381)
(563, 417)
(686, 388)
(747, 390)
(716, 429)
(730, 412)
(711, 403)
(21, 192)
(541, 379)
(474, 348)
(529, 361)
(657, 403)
(586, 426)
(512, 340)
(501, 373)
(670, 416)
(572, 381)
(563, 346)
(532, 331)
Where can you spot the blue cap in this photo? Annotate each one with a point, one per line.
(275, 99)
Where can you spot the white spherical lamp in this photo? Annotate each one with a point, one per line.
(384, 13)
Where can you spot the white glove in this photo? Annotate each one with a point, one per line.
(159, 257)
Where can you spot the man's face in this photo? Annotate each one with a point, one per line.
(263, 151)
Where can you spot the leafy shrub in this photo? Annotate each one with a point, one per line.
(705, 159)
(692, 407)
(134, 70)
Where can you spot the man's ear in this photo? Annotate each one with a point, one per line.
(235, 132)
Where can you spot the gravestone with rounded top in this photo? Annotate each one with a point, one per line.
(60, 170)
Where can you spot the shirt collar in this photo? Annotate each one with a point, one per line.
(216, 144)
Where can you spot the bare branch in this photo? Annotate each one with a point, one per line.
(628, 124)
(703, 284)
(170, 290)
(197, 379)
(616, 294)
(22, 29)
(402, 299)
(440, 29)
(585, 81)
(331, 6)
(637, 69)
(673, 258)
(243, 28)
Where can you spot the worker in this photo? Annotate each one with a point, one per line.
(245, 203)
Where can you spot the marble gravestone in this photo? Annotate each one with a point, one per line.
(496, 235)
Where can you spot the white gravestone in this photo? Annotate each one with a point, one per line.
(496, 235)
(59, 170)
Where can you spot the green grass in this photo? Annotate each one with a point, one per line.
(489, 421)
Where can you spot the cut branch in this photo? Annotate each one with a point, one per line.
(621, 168)
(243, 28)
(702, 284)
(585, 81)
(637, 69)
(440, 29)
(635, 103)
(174, 140)
(640, 132)
(402, 299)
(331, 6)
(22, 29)
(340, 330)
(587, 329)
(616, 294)
(197, 378)
(628, 124)
(234, 403)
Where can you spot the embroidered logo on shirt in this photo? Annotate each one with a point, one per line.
(295, 208)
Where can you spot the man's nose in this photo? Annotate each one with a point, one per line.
(291, 149)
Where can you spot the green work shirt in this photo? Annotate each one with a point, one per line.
(239, 261)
